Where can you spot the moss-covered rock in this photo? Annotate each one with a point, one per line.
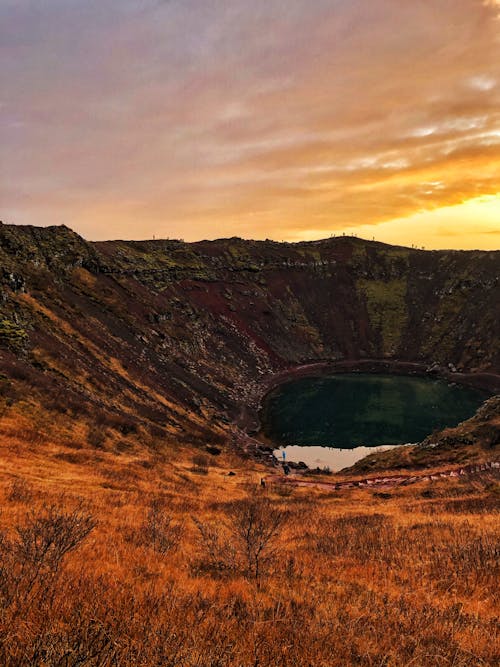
(387, 310)
(12, 335)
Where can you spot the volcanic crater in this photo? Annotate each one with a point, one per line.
(184, 339)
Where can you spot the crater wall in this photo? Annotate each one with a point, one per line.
(183, 335)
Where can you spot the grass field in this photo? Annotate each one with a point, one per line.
(121, 555)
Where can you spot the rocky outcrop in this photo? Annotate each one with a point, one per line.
(476, 440)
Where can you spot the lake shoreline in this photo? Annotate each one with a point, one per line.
(249, 420)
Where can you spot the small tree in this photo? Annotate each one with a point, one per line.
(256, 524)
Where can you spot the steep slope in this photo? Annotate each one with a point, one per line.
(179, 338)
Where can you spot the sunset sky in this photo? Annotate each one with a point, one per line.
(284, 119)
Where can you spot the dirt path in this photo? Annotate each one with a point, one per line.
(385, 481)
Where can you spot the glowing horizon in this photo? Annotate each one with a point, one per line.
(292, 121)
(432, 230)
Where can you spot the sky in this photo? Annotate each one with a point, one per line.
(283, 119)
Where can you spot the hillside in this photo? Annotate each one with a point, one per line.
(179, 340)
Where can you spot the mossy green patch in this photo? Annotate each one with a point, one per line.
(12, 335)
(358, 255)
(443, 331)
(387, 310)
(310, 253)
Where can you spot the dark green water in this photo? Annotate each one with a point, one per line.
(348, 410)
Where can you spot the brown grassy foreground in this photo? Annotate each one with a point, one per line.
(119, 556)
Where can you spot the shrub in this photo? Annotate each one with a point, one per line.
(200, 464)
(160, 530)
(255, 524)
(32, 558)
(217, 555)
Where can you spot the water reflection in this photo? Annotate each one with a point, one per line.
(326, 457)
(352, 413)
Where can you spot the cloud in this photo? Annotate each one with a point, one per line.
(200, 118)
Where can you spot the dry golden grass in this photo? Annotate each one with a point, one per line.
(352, 577)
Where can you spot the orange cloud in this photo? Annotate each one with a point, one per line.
(200, 119)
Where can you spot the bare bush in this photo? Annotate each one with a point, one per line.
(217, 556)
(246, 541)
(88, 643)
(160, 530)
(255, 524)
(200, 464)
(32, 558)
(47, 538)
